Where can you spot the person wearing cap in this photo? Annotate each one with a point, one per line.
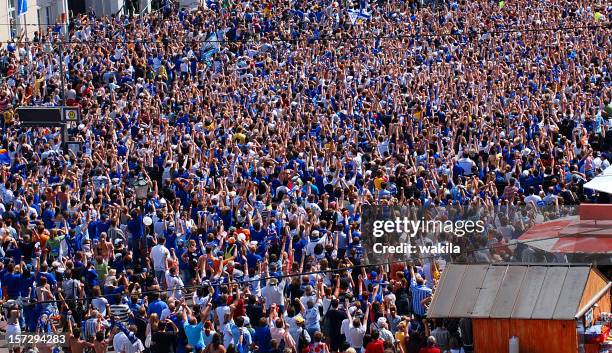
(273, 291)
(301, 336)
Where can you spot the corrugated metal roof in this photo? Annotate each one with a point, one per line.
(529, 292)
(509, 291)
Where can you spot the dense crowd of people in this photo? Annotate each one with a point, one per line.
(260, 130)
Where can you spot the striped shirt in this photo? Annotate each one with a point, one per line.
(121, 312)
(90, 327)
(419, 292)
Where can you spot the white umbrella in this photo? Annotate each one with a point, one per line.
(602, 182)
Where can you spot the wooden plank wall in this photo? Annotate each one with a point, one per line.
(594, 285)
(603, 306)
(535, 336)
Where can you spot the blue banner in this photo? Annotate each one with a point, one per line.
(22, 7)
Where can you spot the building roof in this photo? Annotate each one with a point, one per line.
(506, 291)
(571, 236)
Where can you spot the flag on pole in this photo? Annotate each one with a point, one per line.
(22, 7)
(210, 47)
(356, 17)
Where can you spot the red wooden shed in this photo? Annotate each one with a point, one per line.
(546, 306)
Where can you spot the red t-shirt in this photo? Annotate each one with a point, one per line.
(377, 346)
(430, 350)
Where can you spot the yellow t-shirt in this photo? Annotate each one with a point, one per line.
(378, 183)
(401, 338)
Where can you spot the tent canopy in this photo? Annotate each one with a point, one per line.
(602, 182)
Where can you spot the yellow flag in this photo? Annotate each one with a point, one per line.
(502, 4)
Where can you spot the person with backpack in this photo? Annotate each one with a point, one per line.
(303, 340)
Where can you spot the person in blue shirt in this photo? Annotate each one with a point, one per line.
(171, 236)
(48, 216)
(12, 281)
(136, 229)
(262, 337)
(252, 257)
(241, 335)
(157, 305)
(193, 328)
(91, 276)
(48, 275)
(258, 233)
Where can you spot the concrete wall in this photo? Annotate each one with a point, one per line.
(4, 30)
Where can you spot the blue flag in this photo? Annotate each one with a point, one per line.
(22, 7)
(357, 17)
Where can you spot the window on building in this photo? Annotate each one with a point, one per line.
(44, 19)
(12, 16)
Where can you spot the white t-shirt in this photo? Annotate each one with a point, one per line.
(255, 284)
(175, 285)
(466, 164)
(535, 198)
(121, 343)
(344, 327)
(159, 254)
(273, 294)
(100, 304)
(304, 299)
(221, 311)
(354, 335)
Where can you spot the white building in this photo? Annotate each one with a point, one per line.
(111, 7)
(40, 14)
